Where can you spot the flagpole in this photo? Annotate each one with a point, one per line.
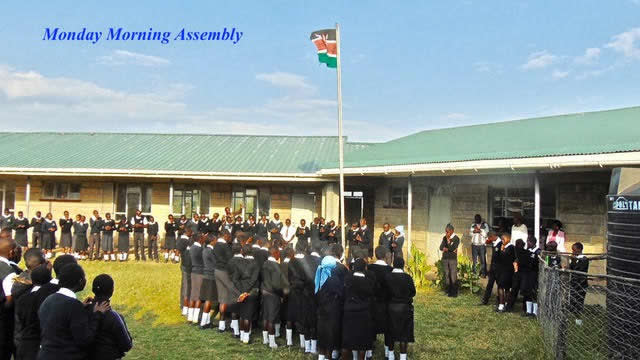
(340, 140)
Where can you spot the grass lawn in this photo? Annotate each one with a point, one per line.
(445, 328)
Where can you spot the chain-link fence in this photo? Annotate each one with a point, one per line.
(588, 315)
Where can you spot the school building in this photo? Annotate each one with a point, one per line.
(547, 168)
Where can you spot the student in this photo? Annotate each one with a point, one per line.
(248, 285)
(357, 324)
(285, 259)
(20, 225)
(194, 225)
(506, 257)
(310, 305)
(333, 233)
(329, 290)
(351, 240)
(272, 290)
(401, 293)
(553, 260)
(226, 293)
(182, 225)
(108, 227)
(275, 226)
(518, 230)
(449, 248)
(521, 270)
(314, 235)
(112, 340)
(398, 242)
(578, 282)
(10, 254)
(59, 263)
(123, 239)
(296, 302)
(36, 235)
(288, 232)
(234, 270)
(95, 223)
(208, 291)
(66, 240)
(381, 299)
(138, 223)
(494, 271)
(152, 238)
(197, 270)
(364, 240)
(557, 235)
(529, 283)
(183, 246)
(262, 228)
(204, 224)
(6, 220)
(302, 234)
(249, 226)
(170, 228)
(67, 329)
(478, 232)
(386, 236)
(49, 228)
(27, 323)
(22, 283)
(236, 228)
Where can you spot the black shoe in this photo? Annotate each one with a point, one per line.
(208, 326)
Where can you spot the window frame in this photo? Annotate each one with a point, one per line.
(57, 185)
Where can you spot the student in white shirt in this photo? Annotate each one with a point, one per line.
(288, 232)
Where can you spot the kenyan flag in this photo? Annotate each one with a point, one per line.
(325, 41)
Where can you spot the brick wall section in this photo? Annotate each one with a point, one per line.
(467, 200)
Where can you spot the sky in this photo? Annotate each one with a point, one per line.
(407, 66)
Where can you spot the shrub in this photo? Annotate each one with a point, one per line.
(417, 266)
(467, 279)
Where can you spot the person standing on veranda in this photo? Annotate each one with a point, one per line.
(449, 248)
(479, 230)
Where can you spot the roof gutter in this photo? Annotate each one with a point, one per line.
(160, 174)
(533, 163)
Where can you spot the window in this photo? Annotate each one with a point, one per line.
(505, 203)
(7, 197)
(264, 202)
(189, 199)
(131, 197)
(60, 191)
(398, 197)
(253, 203)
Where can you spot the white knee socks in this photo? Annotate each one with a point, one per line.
(301, 341)
(289, 337)
(265, 337)
(272, 342)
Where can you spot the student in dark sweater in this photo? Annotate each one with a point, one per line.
(36, 224)
(49, 228)
(123, 239)
(296, 306)
(521, 270)
(496, 243)
(27, 325)
(9, 254)
(449, 248)
(357, 324)
(302, 234)
(22, 283)
(208, 291)
(578, 282)
(170, 228)
(329, 289)
(381, 269)
(226, 294)
(106, 243)
(530, 278)
(285, 258)
(401, 292)
(310, 305)
(214, 226)
(249, 287)
(20, 225)
(506, 258)
(94, 235)
(68, 330)
(197, 271)
(66, 223)
(152, 238)
(234, 269)
(112, 339)
(183, 245)
(272, 290)
(364, 240)
(314, 235)
(262, 228)
(249, 226)
(60, 262)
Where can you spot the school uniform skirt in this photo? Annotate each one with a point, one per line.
(270, 307)
(357, 325)
(185, 285)
(295, 308)
(329, 325)
(48, 240)
(169, 242)
(66, 240)
(81, 243)
(505, 279)
(379, 315)
(309, 314)
(106, 243)
(248, 308)
(227, 292)
(528, 281)
(21, 239)
(123, 242)
(208, 290)
(196, 285)
(400, 322)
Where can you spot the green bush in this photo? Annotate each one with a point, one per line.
(467, 279)
(417, 266)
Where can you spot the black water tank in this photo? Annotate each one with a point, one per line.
(623, 260)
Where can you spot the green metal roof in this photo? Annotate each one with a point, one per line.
(575, 134)
(170, 152)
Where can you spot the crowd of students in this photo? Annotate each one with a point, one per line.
(250, 282)
(40, 316)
